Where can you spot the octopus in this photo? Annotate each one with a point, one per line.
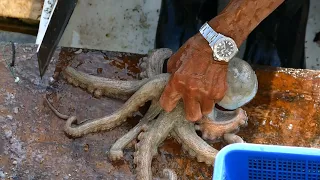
(156, 125)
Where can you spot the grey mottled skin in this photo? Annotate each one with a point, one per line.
(150, 131)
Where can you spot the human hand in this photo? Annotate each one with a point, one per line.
(196, 78)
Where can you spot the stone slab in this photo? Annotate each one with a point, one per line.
(34, 146)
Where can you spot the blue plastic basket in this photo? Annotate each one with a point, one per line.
(245, 161)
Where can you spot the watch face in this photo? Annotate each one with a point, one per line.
(225, 49)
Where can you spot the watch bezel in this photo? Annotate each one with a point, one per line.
(219, 58)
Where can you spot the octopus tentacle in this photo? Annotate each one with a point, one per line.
(242, 86)
(150, 140)
(149, 91)
(55, 111)
(218, 123)
(100, 86)
(169, 174)
(184, 132)
(116, 151)
(231, 138)
(103, 86)
(152, 65)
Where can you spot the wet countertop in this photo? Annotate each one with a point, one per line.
(34, 146)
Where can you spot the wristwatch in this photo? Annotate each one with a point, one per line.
(224, 48)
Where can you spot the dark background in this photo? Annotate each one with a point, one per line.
(277, 41)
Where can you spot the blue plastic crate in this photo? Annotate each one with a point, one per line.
(245, 161)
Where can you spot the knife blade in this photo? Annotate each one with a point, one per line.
(58, 22)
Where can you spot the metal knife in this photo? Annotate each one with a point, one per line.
(58, 22)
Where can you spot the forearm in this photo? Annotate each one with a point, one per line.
(240, 17)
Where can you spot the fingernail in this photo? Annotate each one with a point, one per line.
(193, 118)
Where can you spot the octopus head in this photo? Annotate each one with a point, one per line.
(242, 88)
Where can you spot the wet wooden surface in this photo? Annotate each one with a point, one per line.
(285, 110)
(34, 146)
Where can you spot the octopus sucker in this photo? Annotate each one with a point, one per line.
(218, 122)
(153, 64)
(157, 124)
(151, 139)
(232, 138)
(144, 94)
(187, 135)
(103, 86)
(116, 151)
(169, 174)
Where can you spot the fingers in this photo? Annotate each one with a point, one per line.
(175, 61)
(218, 90)
(170, 97)
(199, 84)
(173, 64)
(207, 106)
(217, 78)
(192, 108)
(191, 98)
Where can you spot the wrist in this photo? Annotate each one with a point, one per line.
(205, 47)
(222, 24)
(240, 17)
